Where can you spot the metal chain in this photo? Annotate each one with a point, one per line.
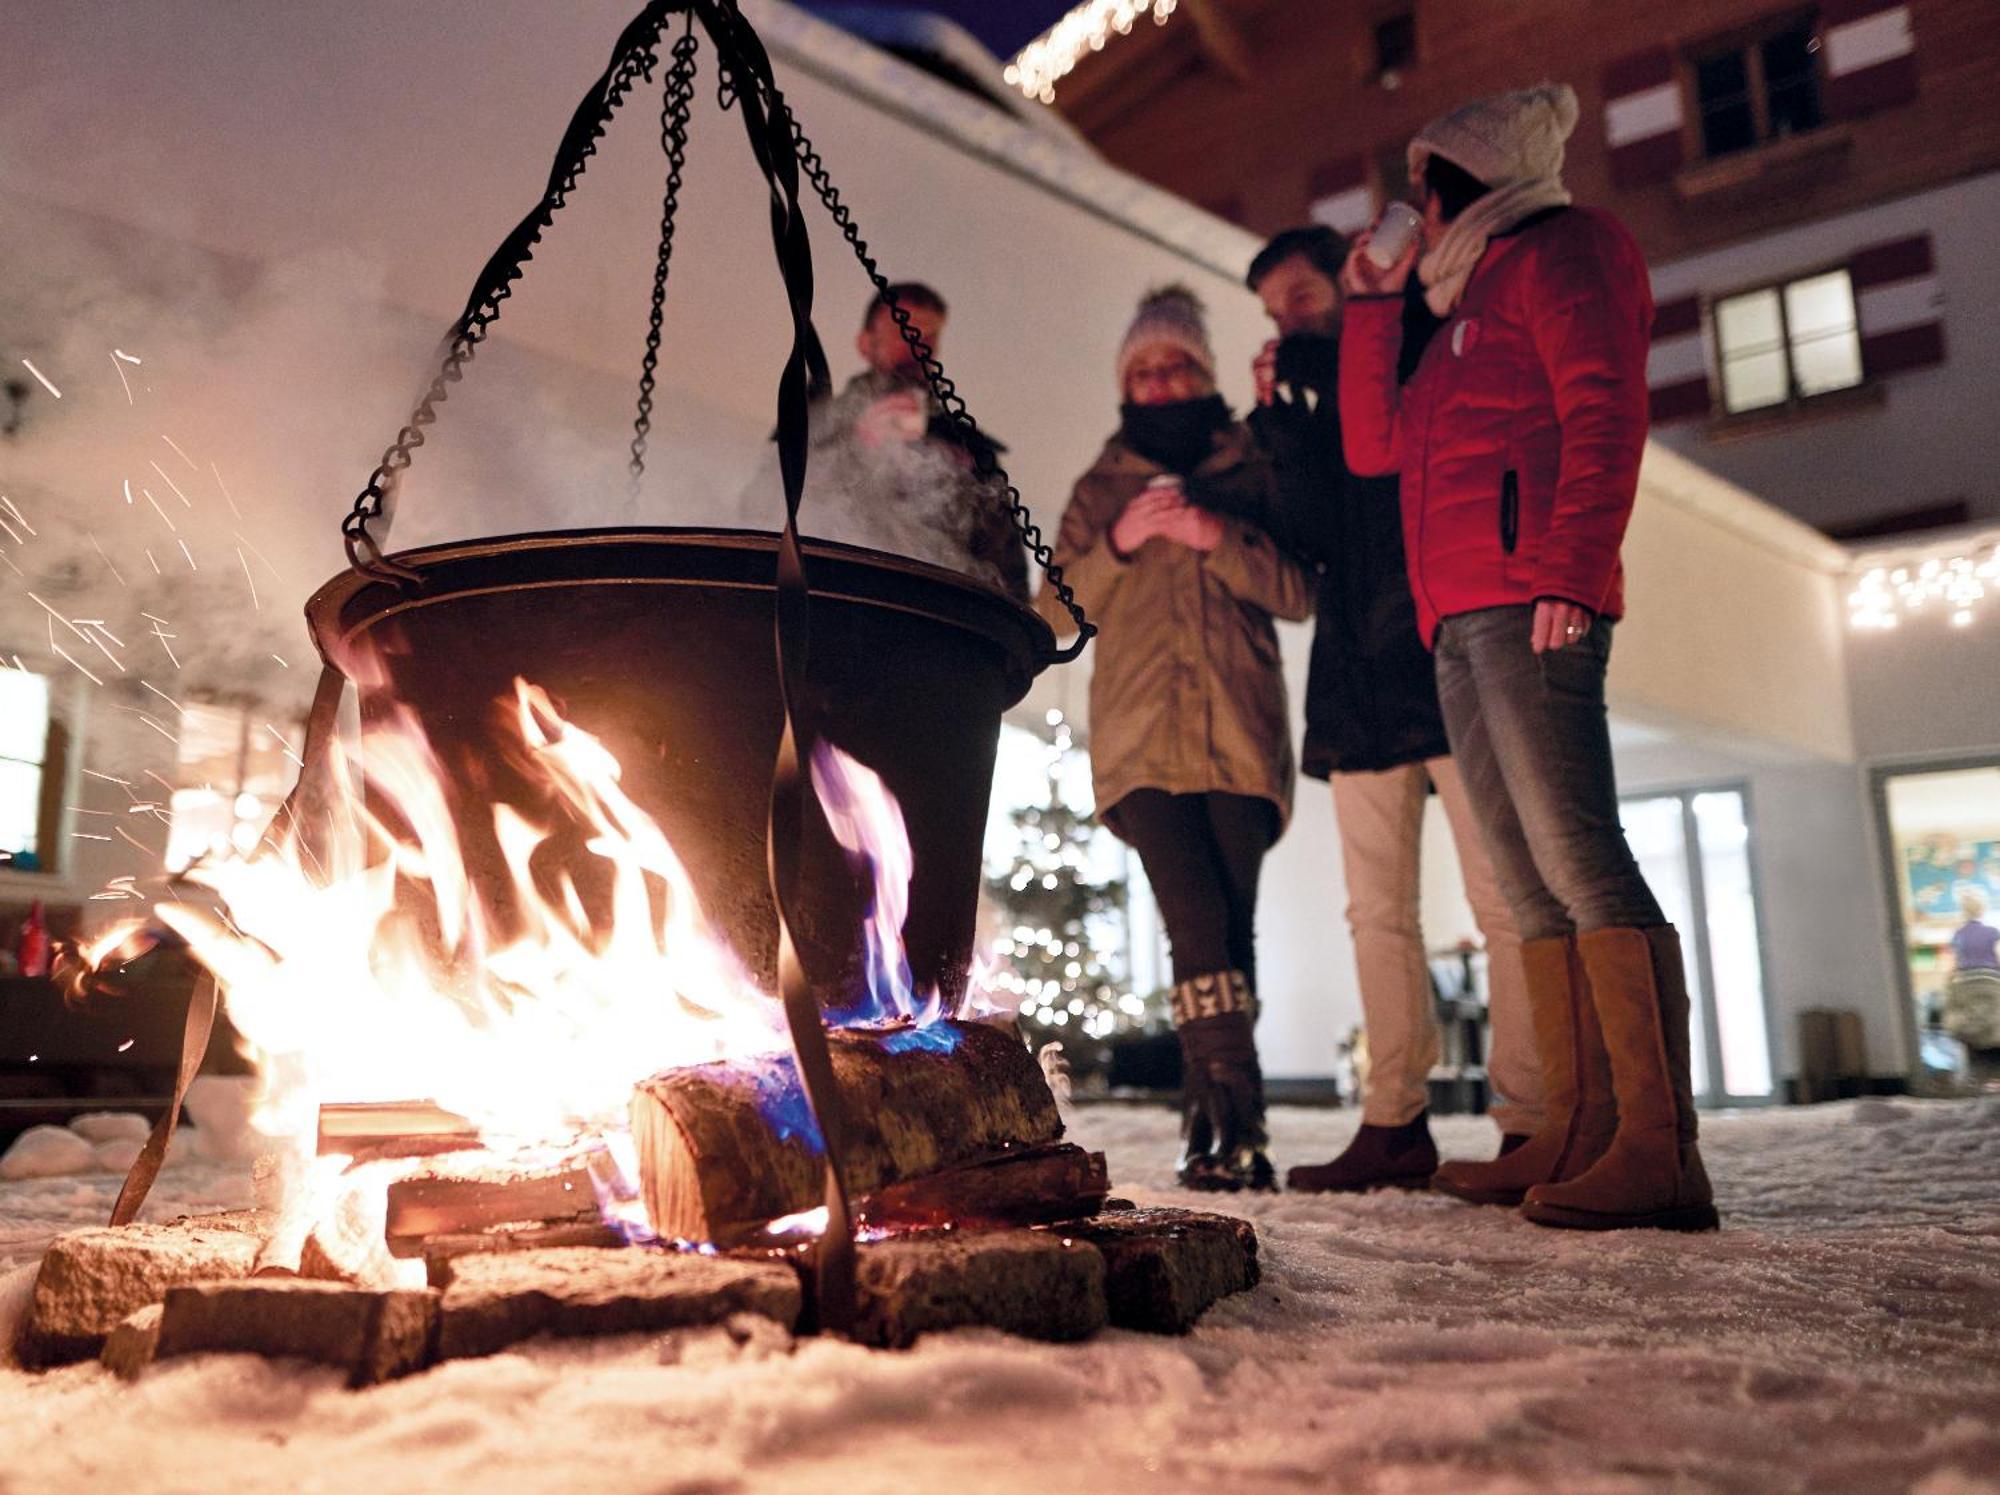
(675, 109)
(986, 465)
(638, 51)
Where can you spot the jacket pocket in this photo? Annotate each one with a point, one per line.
(1510, 511)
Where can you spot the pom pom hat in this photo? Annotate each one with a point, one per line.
(1505, 139)
(1171, 316)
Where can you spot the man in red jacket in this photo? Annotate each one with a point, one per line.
(1518, 441)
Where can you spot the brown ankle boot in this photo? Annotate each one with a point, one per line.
(1379, 1157)
(1651, 1176)
(1579, 1116)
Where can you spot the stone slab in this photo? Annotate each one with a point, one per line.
(1037, 1284)
(492, 1301)
(1164, 1268)
(91, 1280)
(373, 1336)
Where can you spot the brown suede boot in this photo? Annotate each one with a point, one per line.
(1379, 1157)
(1579, 1116)
(1651, 1176)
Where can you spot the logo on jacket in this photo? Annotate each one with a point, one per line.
(1464, 336)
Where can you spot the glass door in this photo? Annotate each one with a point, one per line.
(1694, 849)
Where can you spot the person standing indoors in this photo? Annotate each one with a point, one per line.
(1190, 742)
(1373, 729)
(1518, 441)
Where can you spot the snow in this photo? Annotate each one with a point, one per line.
(1842, 1332)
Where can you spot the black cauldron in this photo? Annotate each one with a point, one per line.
(659, 642)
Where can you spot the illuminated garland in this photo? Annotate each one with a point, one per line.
(1052, 55)
(1889, 589)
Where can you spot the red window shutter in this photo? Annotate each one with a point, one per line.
(1643, 116)
(1870, 51)
(1899, 303)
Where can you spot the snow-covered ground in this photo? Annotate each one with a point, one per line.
(1842, 1332)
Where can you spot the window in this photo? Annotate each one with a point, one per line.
(233, 770)
(1694, 849)
(1783, 343)
(24, 741)
(1395, 46)
(1759, 90)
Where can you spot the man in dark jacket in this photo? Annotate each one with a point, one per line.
(1373, 728)
(882, 444)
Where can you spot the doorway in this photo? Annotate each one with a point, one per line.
(1694, 849)
(1941, 829)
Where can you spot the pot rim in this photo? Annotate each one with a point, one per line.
(353, 601)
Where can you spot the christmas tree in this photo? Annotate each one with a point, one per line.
(1059, 949)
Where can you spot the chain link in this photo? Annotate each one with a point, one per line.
(986, 463)
(674, 113)
(496, 283)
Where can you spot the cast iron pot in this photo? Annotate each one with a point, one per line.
(658, 641)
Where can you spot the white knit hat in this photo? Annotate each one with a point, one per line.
(1508, 138)
(1172, 316)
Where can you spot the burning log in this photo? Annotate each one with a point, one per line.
(725, 1148)
(1038, 1186)
(444, 1203)
(369, 1130)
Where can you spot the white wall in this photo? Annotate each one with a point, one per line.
(1933, 439)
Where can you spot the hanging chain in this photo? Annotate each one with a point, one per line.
(674, 113)
(986, 464)
(637, 53)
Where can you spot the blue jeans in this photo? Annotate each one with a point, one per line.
(1533, 746)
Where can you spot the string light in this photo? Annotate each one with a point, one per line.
(1892, 589)
(1050, 57)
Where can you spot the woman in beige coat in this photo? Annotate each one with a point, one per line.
(1190, 736)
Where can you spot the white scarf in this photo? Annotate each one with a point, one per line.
(1448, 264)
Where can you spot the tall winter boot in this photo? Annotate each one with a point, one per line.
(1579, 1115)
(1651, 1176)
(1222, 1085)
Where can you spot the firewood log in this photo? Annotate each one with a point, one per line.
(728, 1146)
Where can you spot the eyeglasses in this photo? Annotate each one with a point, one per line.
(1163, 373)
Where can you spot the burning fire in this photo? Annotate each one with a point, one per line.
(367, 965)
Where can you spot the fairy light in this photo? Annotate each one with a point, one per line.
(1954, 583)
(1085, 28)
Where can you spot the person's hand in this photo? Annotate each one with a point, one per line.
(1194, 527)
(1559, 624)
(1264, 372)
(1146, 516)
(897, 418)
(1361, 276)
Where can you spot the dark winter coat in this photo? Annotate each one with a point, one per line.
(1371, 690)
(1187, 690)
(1519, 436)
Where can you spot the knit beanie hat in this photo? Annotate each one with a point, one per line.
(1505, 139)
(1172, 316)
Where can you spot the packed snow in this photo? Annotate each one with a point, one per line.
(1842, 1332)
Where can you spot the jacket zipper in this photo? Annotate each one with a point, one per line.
(1510, 511)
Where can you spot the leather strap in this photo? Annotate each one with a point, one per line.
(194, 1048)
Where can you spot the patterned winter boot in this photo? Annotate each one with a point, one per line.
(1651, 1176)
(1222, 1085)
(1579, 1115)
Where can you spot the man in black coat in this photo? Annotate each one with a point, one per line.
(1373, 729)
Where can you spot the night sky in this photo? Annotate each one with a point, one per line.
(1003, 25)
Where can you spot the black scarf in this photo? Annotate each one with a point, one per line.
(1307, 360)
(1178, 435)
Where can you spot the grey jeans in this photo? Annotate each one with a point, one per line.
(1533, 746)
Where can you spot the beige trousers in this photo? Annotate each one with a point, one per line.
(1381, 818)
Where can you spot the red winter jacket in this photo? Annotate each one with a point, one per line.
(1518, 437)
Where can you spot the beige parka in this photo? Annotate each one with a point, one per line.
(1187, 693)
